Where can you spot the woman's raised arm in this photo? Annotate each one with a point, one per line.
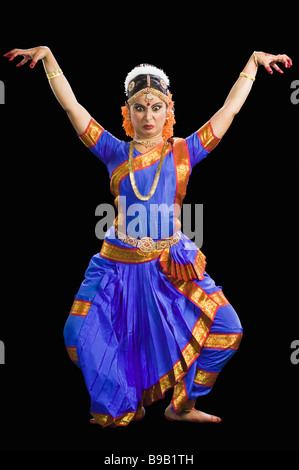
(223, 118)
(61, 88)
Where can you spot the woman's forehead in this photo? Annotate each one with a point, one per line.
(143, 99)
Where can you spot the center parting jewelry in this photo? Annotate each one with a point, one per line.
(157, 175)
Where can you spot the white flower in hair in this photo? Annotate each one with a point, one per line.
(145, 70)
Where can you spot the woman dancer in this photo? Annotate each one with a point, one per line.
(147, 316)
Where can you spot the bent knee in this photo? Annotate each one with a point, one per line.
(227, 320)
(72, 329)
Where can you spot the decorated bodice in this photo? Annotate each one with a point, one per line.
(157, 217)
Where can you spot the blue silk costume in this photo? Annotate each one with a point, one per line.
(142, 323)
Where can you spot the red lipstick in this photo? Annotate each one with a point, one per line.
(148, 126)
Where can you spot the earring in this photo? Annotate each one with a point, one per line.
(128, 118)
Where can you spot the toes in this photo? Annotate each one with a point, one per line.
(216, 419)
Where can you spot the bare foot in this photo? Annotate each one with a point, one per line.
(194, 416)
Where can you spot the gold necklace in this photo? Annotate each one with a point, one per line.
(148, 143)
(157, 175)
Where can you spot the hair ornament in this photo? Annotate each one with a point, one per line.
(131, 86)
(145, 69)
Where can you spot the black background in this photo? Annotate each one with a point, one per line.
(51, 186)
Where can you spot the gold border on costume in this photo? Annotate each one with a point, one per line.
(72, 352)
(207, 379)
(80, 308)
(219, 298)
(180, 396)
(207, 137)
(185, 272)
(182, 168)
(127, 255)
(139, 163)
(223, 341)
(92, 134)
(197, 295)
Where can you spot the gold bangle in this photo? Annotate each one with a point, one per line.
(255, 59)
(242, 74)
(55, 74)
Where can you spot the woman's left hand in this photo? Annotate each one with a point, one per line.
(270, 60)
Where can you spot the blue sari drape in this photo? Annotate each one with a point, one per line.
(142, 323)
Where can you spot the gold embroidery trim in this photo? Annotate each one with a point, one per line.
(197, 295)
(219, 298)
(193, 348)
(106, 419)
(200, 264)
(123, 420)
(180, 400)
(223, 341)
(140, 162)
(92, 134)
(126, 255)
(182, 168)
(80, 307)
(207, 137)
(185, 272)
(205, 378)
(72, 352)
(180, 396)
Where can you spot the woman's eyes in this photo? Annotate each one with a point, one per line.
(142, 108)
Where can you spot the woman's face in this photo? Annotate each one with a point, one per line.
(148, 117)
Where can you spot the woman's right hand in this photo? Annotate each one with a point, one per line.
(77, 114)
(35, 54)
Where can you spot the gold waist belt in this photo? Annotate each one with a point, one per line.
(147, 244)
